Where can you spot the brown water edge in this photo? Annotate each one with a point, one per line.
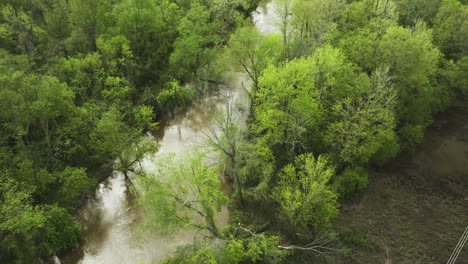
(440, 162)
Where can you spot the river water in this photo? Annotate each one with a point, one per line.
(110, 221)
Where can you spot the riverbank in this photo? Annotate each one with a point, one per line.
(416, 205)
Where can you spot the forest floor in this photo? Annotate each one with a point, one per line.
(416, 206)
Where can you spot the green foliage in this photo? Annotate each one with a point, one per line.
(410, 11)
(175, 97)
(61, 231)
(20, 222)
(364, 129)
(145, 116)
(109, 136)
(90, 18)
(295, 100)
(255, 249)
(460, 79)
(412, 59)
(74, 183)
(150, 26)
(350, 182)
(250, 52)
(27, 230)
(134, 154)
(304, 195)
(179, 189)
(451, 29)
(192, 47)
(21, 34)
(286, 107)
(313, 24)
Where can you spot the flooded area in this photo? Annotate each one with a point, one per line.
(110, 221)
(415, 207)
(440, 162)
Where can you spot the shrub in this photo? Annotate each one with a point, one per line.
(175, 98)
(351, 182)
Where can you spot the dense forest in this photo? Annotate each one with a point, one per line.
(343, 86)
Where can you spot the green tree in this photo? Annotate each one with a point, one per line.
(254, 249)
(286, 109)
(150, 26)
(132, 155)
(57, 25)
(179, 191)
(74, 183)
(252, 53)
(175, 98)
(365, 126)
(360, 29)
(413, 60)
(313, 24)
(304, 195)
(145, 117)
(22, 35)
(61, 231)
(110, 136)
(194, 49)
(296, 100)
(350, 182)
(451, 29)
(90, 18)
(20, 223)
(410, 11)
(226, 136)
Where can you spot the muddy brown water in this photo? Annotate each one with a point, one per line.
(440, 162)
(110, 221)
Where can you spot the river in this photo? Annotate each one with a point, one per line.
(110, 221)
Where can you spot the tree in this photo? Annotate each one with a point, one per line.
(313, 24)
(283, 23)
(361, 27)
(253, 53)
(295, 100)
(286, 109)
(53, 101)
(144, 118)
(412, 59)
(410, 11)
(133, 154)
(57, 25)
(74, 183)
(20, 222)
(350, 182)
(61, 231)
(226, 136)
(304, 195)
(451, 29)
(194, 50)
(91, 19)
(110, 136)
(365, 126)
(150, 26)
(179, 191)
(258, 248)
(175, 98)
(27, 230)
